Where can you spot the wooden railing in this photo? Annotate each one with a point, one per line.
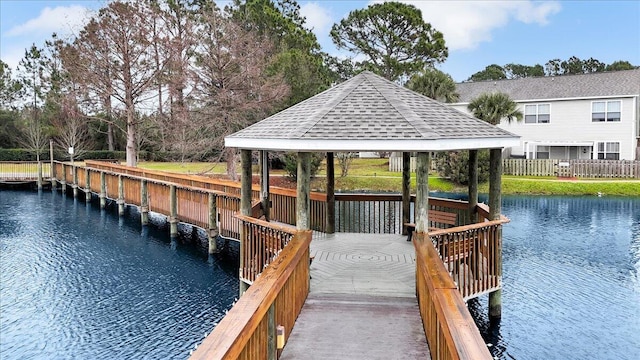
(275, 298)
(192, 202)
(471, 255)
(262, 241)
(448, 325)
(382, 213)
(369, 213)
(23, 170)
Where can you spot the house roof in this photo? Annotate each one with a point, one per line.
(604, 84)
(370, 113)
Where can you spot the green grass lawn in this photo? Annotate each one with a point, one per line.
(374, 175)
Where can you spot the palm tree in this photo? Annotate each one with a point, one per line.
(434, 84)
(492, 107)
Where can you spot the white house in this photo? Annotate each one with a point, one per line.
(588, 116)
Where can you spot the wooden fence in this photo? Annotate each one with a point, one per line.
(555, 167)
(448, 325)
(572, 168)
(23, 170)
(395, 164)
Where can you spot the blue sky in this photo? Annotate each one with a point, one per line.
(478, 33)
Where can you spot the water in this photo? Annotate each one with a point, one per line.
(571, 285)
(78, 282)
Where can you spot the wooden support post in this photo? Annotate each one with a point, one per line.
(144, 203)
(63, 179)
(245, 205)
(272, 350)
(120, 196)
(53, 169)
(53, 172)
(212, 235)
(495, 205)
(173, 212)
(87, 189)
(39, 182)
(103, 190)
(264, 183)
(422, 192)
(331, 195)
(53, 177)
(473, 186)
(406, 191)
(74, 176)
(303, 200)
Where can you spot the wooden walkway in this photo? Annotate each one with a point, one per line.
(362, 302)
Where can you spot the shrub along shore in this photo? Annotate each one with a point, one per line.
(373, 175)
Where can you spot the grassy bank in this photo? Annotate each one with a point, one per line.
(374, 175)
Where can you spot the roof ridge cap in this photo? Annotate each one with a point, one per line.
(405, 111)
(349, 86)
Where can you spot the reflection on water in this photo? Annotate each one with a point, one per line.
(571, 288)
(78, 282)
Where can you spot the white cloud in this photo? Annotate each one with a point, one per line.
(466, 24)
(61, 19)
(319, 18)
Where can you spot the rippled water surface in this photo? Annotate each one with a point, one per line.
(571, 280)
(77, 282)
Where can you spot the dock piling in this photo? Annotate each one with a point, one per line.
(120, 196)
(87, 190)
(173, 217)
(144, 203)
(74, 176)
(63, 179)
(213, 232)
(103, 190)
(39, 183)
(495, 205)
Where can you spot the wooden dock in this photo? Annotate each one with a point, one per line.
(366, 295)
(362, 302)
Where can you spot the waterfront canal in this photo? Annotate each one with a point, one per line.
(77, 282)
(571, 286)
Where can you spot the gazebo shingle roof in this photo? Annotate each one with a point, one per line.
(368, 112)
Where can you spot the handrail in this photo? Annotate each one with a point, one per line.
(280, 227)
(471, 255)
(463, 228)
(261, 242)
(239, 329)
(448, 325)
(484, 211)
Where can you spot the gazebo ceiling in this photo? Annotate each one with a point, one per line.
(370, 113)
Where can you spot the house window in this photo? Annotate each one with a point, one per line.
(542, 152)
(605, 110)
(537, 114)
(609, 151)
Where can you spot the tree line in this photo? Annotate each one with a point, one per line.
(554, 67)
(177, 76)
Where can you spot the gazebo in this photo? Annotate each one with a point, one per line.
(370, 113)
